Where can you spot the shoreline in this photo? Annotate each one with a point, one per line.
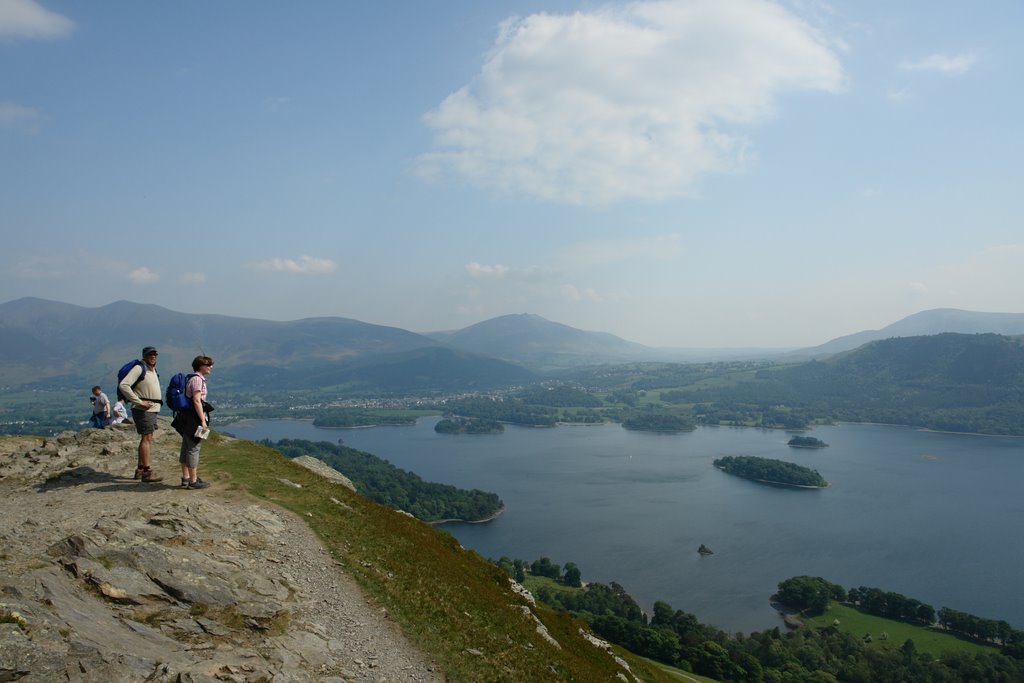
(928, 429)
(837, 423)
(775, 483)
(469, 521)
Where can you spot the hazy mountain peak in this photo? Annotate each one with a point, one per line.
(929, 322)
(540, 343)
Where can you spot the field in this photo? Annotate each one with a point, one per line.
(927, 640)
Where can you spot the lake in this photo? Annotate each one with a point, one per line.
(932, 516)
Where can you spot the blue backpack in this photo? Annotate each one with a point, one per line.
(123, 372)
(175, 396)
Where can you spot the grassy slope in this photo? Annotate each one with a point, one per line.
(448, 600)
(927, 640)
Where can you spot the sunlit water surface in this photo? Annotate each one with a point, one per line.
(934, 516)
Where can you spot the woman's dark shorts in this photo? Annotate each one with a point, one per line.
(145, 421)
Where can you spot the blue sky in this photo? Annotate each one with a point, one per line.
(690, 173)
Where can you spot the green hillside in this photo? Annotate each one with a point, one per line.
(951, 382)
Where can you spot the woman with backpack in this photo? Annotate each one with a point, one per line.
(193, 423)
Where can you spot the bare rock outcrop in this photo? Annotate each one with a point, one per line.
(103, 578)
(324, 470)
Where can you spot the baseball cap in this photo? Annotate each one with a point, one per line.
(149, 350)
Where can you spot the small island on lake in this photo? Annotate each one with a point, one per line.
(769, 471)
(468, 425)
(659, 422)
(806, 442)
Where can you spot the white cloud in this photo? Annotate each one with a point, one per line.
(635, 102)
(501, 272)
(29, 19)
(575, 294)
(918, 287)
(479, 270)
(143, 276)
(17, 117)
(304, 265)
(192, 278)
(947, 65)
(899, 95)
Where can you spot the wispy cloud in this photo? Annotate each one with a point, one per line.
(947, 65)
(573, 293)
(20, 118)
(304, 265)
(192, 278)
(501, 272)
(479, 270)
(594, 253)
(498, 289)
(39, 267)
(900, 94)
(143, 276)
(633, 102)
(29, 19)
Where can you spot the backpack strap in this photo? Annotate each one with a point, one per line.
(142, 375)
(188, 378)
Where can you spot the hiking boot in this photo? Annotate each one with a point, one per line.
(198, 484)
(139, 471)
(148, 477)
(184, 483)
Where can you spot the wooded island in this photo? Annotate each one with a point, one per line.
(769, 471)
(806, 442)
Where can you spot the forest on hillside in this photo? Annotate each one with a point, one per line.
(817, 655)
(379, 480)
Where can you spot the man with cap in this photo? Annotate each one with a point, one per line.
(141, 387)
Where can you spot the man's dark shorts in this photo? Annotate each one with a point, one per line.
(145, 421)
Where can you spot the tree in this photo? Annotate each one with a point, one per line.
(810, 593)
(662, 614)
(572, 575)
(544, 567)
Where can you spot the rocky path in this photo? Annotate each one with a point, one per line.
(106, 579)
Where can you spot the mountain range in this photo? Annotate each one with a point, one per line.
(934, 321)
(59, 343)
